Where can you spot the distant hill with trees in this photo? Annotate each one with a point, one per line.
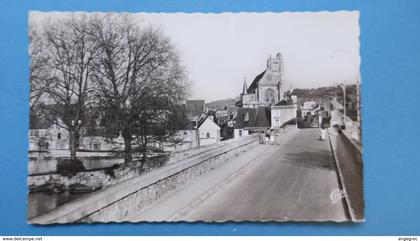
(228, 103)
(302, 94)
(322, 91)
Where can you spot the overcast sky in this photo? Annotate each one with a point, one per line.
(219, 50)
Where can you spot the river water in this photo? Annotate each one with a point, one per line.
(42, 202)
(41, 163)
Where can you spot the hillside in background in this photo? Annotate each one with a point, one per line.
(303, 95)
(323, 91)
(221, 104)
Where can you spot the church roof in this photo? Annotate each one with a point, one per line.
(254, 84)
(257, 117)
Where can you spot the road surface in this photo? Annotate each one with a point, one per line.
(290, 181)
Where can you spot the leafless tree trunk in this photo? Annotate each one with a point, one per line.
(138, 70)
(69, 53)
(39, 74)
(128, 138)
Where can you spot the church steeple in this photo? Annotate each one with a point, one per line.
(269, 61)
(245, 87)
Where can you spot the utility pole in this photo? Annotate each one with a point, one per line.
(343, 87)
(357, 80)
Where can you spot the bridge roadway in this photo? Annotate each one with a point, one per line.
(290, 181)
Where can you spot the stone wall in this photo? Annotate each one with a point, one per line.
(99, 176)
(144, 197)
(119, 201)
(183, 154)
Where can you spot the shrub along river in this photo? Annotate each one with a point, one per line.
(42, 164)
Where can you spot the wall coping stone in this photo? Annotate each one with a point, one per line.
(84, 206)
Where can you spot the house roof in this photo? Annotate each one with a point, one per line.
(281, 103)
(263, 118)
(39, 123)
(200, 122)
(241, 121)
(188, 126)
(254, 84)
(257, 117)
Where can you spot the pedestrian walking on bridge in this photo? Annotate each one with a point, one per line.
(261, 137)
(267, 136)
(325, 123)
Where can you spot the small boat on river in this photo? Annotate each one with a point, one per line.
(48, 187)
(80, 188)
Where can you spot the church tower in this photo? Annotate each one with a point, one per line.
(275, 65)
(269, 88)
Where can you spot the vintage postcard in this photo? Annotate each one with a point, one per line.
(194, 117)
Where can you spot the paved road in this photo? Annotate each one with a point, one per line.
(291, 181)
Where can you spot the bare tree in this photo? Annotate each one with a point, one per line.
(69, 53)
(139, 77)
(39, 74)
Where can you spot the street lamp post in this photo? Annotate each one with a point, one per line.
(357, 79)
(343, 87)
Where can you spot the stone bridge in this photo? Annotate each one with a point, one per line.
(295, 178)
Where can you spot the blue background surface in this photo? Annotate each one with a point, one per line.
(390, 70)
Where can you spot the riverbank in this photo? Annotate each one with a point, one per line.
(103, 175)
(49, 191)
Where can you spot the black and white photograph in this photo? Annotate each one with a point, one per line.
(194, 117)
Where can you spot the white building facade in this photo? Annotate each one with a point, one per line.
(209, 132)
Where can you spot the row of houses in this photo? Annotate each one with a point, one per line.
(261, 106)
(55, 136)
(52, 135)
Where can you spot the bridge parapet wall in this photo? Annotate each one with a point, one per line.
(119, 201)
(348, 157)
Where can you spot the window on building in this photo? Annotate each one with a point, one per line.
(208, 135)
(96, 146)
(59, 136)
(246, 116)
